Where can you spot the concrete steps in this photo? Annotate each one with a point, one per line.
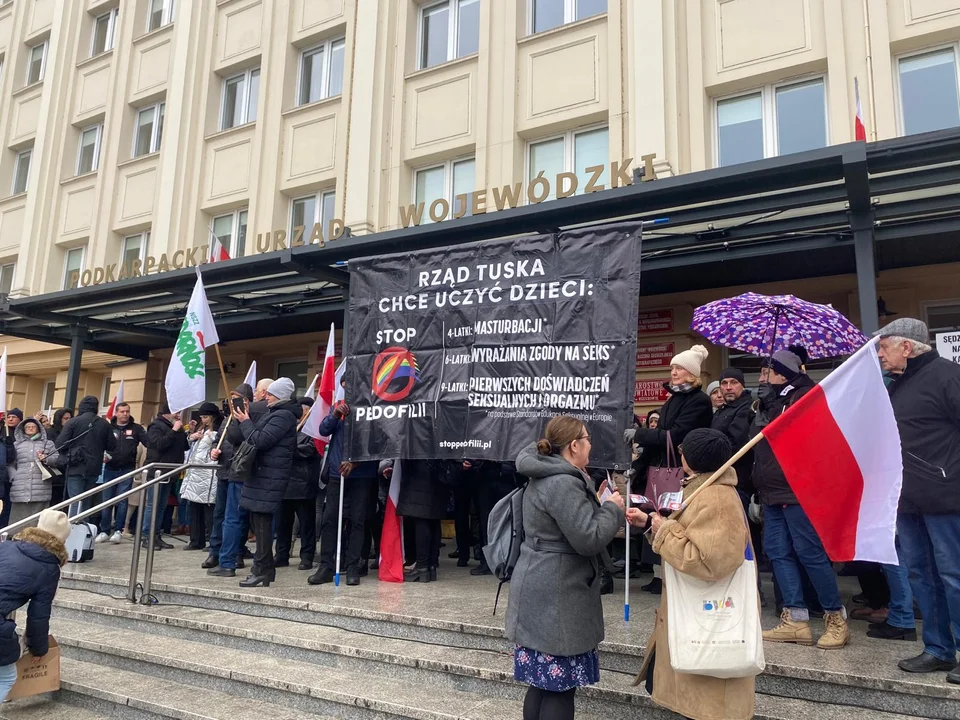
(476, 657)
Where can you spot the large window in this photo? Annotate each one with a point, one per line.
(159, 13)
(88, 157)
(149, 130)
(134, 247)
(447, 181)
(296, 370)
(105, 32)
(21, 171)
(321, 72)
(306, 211)
(231, 231)
(549, 14)
(49, 392)
(36, 63)
(574, 152)
(942, 316)
(775, 120)
(73, 263)
(6, 277)
(238, 105)
(928, 92)
(448, 30)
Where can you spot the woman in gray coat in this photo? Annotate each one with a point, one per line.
(30, 493)
(554, 614)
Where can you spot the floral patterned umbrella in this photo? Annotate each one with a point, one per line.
(762, 324)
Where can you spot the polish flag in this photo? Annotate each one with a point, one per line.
(218, 252)
(117, 399)
(860, 132)
(3, 383)
(341, 393)
(391, 538)
(324, 400)
(312, 388)
(251, 376)
(839, 448)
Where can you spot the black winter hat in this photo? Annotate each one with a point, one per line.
(208, 408)
(18, 412)
(706, 450)
(306, 401)
(733, 373)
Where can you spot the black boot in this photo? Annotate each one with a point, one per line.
(255, 581)
(654, 587)
(353, 576)
(321, 576)
(606, 582)
(222, 572)
(481, 569)
(211, 562)
(432, 574)
(419, 574)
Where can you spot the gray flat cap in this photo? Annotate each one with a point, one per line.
(909, 328)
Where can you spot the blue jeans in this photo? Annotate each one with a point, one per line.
(930, 546)
(790, 541)
(148, 506)
(107, 523)
(901, 596)
(219, 511)
(8, 676)
(77, 484)
(236, 524)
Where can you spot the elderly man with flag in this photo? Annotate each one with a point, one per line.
(925, 395)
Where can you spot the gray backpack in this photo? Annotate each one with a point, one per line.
(504, 538)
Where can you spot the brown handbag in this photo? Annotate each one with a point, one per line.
(666, 479)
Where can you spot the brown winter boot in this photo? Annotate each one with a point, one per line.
(790, 631)
(836, 634)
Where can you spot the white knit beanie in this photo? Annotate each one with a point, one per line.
(55, 523)
(691, 360)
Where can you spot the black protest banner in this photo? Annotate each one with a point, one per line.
(468, 351)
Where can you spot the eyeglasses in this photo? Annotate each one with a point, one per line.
(583, 437)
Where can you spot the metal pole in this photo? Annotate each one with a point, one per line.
(151, 545)
(73, 369)
(863, 244)
(137, 538)
(626, 566)
(336, 576)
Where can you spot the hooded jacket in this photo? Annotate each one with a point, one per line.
(29, 572)
(685, 410)
(28, 483)
(734, 420)
(164, 444)
(926, 403)
(53, 432)
(275, 437)
(554, 604)
(84, 439)
(129, 438)
(767, 475)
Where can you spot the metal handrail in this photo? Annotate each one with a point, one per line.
(154, 483)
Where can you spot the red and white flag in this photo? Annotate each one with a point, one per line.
(839, 448)
(3, 383)
(859, 131)
(217, 251)
(117, 400)
(312, 388)
(324, 400)
(391, 538)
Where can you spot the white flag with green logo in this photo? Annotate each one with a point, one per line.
(186, 381)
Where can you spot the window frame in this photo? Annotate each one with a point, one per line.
(3, 269)
(898, 87)
(291, 361)
(66, 263)
(448, 179)
(157, 132)
(569, 15)
(43, 62)
(768, 113)
(113, 16)
(96, 148)
(166, 15)
(453, 31)
(569, 151)
(234, 216)
(43, 397)
(144, 236)
(317, 197)
(16, 171)
(925, 308)
(327, 47)
(244, 100)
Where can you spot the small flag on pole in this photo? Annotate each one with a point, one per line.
(340, 394)
(251, 377)
(186, 381)
(117, 400)
(218, 252)
(3, 383)
(859, 131)
(312, 387)
(324, 400)
(391, 538)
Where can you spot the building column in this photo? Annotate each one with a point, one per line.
(863, 242)
(73, 369)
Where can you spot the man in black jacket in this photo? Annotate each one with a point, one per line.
(926, 402)
(166, 443)
(82, 443)
(299, 501)
(129, 436)
(789, 538)
(733, 419)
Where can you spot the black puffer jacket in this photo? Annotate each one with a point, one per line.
(926, 403)
(84, 439)
(129, 438)
(734, 420)
(768, 477)
(422, 494)
(164, 444)
(305, 478)
(29, 572)
(275, 437)
(684, 411)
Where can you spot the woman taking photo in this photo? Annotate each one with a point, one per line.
(199, 486)
(554, 614)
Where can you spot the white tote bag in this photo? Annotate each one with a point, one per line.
(714, 626)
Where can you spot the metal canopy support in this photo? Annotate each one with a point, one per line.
(73, 369)
(857, 181)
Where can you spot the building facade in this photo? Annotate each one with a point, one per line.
(134, 131)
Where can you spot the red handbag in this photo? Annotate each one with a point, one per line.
(666, 479)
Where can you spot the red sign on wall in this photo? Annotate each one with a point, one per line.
(655, 356)
(650, 391)
(655, 322)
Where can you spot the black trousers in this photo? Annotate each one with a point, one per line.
(464, 497)
(428, 542)
(374, 529)
(358, 494)
(201, 524)
(305, 512)
(262, 526)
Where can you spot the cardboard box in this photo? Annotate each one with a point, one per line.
(36, 679)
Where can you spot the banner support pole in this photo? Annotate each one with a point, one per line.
(626, 565)
(223, 372)
(336, 575)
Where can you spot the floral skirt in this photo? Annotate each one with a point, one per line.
(554, 672)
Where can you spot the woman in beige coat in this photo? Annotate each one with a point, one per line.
(707, 542)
